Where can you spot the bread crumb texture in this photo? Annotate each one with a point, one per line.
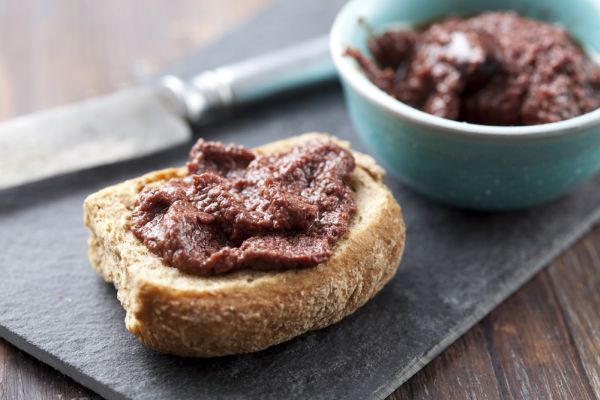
(245, 311)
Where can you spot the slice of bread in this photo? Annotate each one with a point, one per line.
(174, 312)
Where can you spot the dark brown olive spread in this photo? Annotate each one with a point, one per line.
(495, 69)
(237, 209)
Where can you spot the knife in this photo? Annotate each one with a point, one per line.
(143, 120)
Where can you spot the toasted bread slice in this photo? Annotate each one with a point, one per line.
(245, 311)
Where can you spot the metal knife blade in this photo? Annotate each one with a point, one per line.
(122, 125)
(143, 120)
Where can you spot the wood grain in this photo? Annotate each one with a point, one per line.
(576, 281)
(465, 370)
(57, 51)
(26, 378)
(542, 343)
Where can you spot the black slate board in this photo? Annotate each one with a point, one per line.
(458, 265)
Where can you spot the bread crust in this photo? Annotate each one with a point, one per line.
(244, 311)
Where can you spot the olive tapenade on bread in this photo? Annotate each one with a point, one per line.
(203, 311)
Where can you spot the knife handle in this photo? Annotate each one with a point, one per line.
(299, 66)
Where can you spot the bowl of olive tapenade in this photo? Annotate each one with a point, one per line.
(480, 104)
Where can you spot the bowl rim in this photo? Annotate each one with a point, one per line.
(350, 72)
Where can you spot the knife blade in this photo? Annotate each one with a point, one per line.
(143, 120)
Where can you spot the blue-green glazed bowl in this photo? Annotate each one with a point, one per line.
(468, 165)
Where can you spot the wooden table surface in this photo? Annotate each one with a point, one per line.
(542, 343)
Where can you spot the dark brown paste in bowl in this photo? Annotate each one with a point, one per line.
(496, 68)
(237, 209)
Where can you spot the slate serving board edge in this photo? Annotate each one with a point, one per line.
(51, 360)
(511, 281)
(520, 277)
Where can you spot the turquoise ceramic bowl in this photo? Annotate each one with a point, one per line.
(468, 165)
